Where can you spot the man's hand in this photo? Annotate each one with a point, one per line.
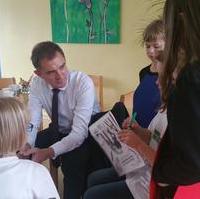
(40, 155)
(23, 150)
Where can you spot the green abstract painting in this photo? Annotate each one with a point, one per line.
(85, 21)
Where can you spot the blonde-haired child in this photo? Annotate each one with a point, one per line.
(19, 178)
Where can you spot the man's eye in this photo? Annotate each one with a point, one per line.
(50, 72)
(62, 66)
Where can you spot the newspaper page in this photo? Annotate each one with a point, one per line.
(138, 182)
(123, 158)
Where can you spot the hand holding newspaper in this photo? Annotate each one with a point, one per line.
(123, 158)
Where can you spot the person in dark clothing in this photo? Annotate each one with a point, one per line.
(176, 172)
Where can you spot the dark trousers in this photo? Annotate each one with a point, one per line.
(74, 164)
(77, 163)
(106, 184)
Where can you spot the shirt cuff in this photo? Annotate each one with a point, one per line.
(66, 144)
(56, 148)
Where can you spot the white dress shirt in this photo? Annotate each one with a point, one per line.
(76, 103)
(25, 179)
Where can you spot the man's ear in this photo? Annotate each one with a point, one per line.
(37, 72)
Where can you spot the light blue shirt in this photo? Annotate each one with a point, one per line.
(76, 103)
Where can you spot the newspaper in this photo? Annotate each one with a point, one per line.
(137, 178)
(138, 182)
(123, 158)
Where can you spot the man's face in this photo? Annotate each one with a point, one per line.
(53, 71)
(153, 48)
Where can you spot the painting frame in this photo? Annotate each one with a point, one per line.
(86, 21)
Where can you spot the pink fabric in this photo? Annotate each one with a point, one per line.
(188, 192)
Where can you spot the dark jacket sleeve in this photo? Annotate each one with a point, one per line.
(178, 162)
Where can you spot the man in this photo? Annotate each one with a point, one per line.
(69, 100)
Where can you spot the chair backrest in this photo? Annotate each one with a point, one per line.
(127, 99)
(98, 83)
(5, 82)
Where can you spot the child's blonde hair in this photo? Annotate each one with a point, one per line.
(152, 31)
(13, 121)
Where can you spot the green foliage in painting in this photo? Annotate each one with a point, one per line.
(85, 21)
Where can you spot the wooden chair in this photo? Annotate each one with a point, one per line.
(127, 99)
(5, 82)
(98, 83)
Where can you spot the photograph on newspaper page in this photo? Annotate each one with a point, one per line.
(123, 158)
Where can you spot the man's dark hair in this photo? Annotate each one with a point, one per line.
(44, 50)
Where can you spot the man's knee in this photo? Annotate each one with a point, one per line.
(43, 139)
(92, 193)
